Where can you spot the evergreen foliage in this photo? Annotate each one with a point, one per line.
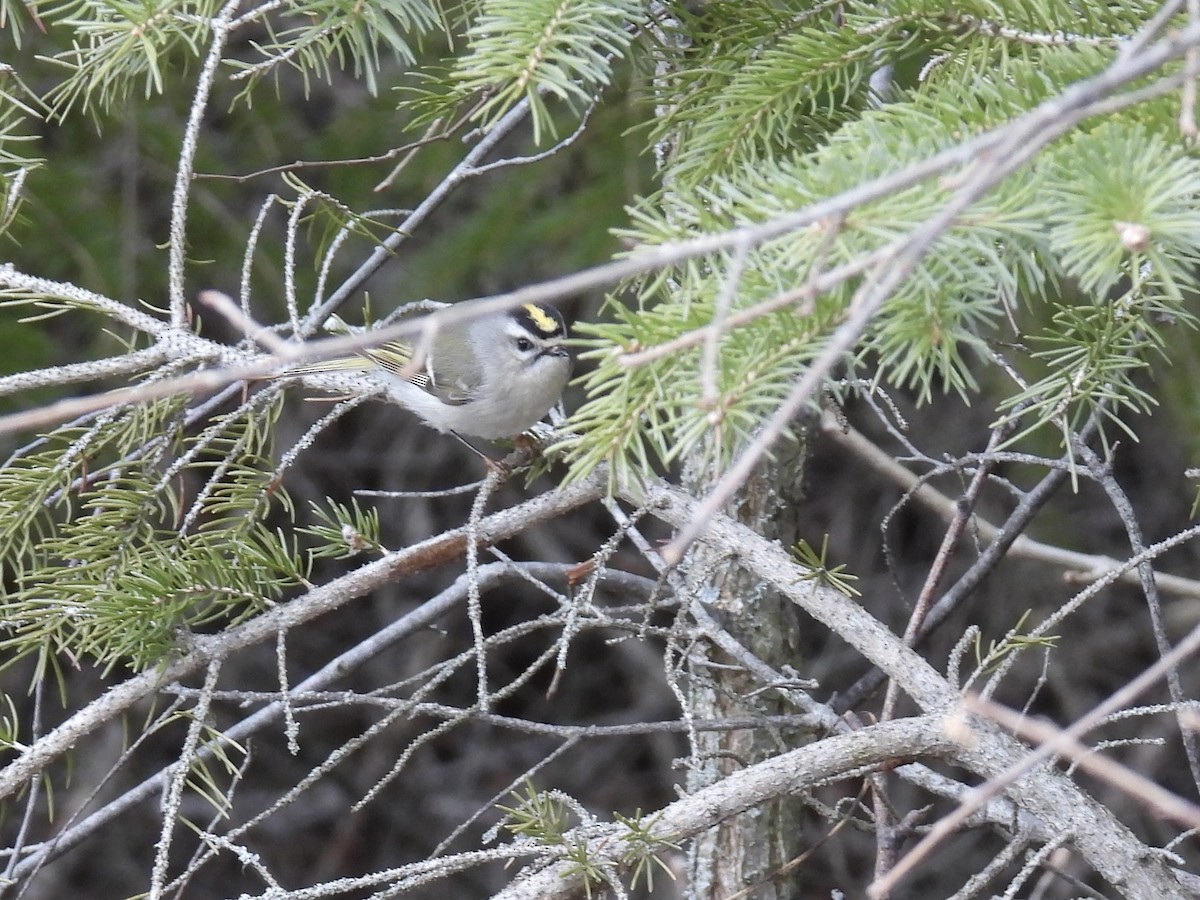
(1091, 252)
(528, 49)
(1052, 300)
(1044, 250)
(109, 563)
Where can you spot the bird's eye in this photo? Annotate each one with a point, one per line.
(524, 344)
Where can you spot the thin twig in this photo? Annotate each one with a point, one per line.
(1102, 473)
(1043, 123)
(494, 479)
(219, 26)
(1160, 801)
(181, 769)
(223, 305)
(318, 601)
(1057, 744)
(432, 201)
(1017, 143)
(336, 669)
(708, 354)
(1011, 539)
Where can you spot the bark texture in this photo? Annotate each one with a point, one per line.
(746, 853)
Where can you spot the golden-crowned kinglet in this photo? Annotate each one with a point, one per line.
(490, 377)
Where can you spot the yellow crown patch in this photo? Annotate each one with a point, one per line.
(542, 320)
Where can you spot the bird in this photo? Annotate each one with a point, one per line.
(491, 376)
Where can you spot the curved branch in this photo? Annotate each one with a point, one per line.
(832, 759)
(1110, 847)
(428, 554)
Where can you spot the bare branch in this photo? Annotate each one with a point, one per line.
(318, 601)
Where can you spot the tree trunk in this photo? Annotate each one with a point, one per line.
(746, 853)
